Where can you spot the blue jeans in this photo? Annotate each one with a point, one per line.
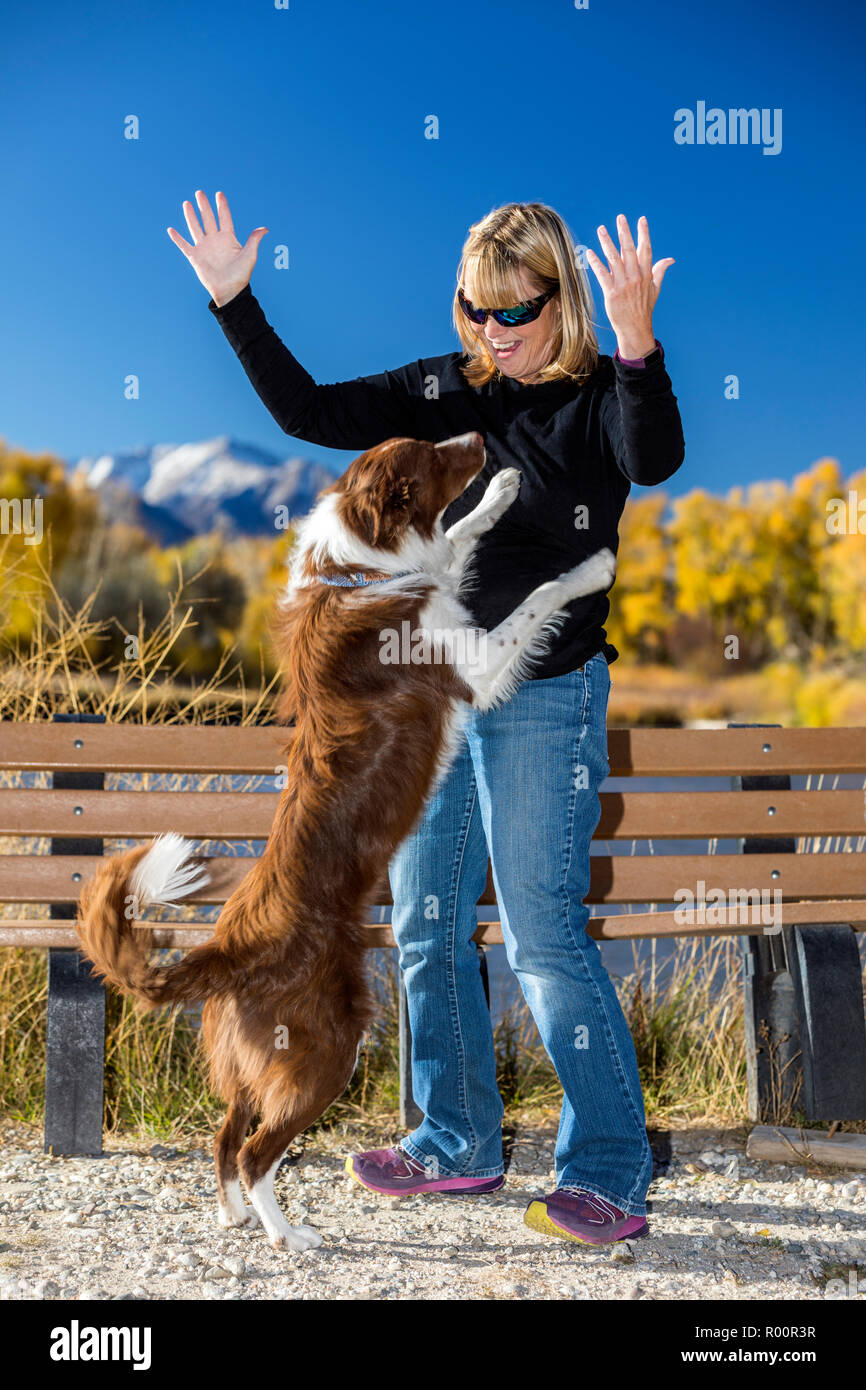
(523, 789)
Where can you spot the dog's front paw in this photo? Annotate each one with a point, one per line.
(598, 572)
(503, 486)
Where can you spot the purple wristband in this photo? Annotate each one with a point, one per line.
(638, 361)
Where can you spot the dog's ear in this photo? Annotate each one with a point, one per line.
(399, 505)
(401, 494)
(379, 512)
(362, 514)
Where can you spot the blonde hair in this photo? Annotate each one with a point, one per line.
(532, 237)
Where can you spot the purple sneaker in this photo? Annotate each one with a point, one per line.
(573, 1213)
(394, 1172)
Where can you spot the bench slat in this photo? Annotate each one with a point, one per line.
(257, 749)
(619, 878)
(243, 815)
(143, 747)
(624, 926)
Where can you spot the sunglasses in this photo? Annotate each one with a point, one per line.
(527, 312)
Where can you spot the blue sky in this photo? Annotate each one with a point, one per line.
(311, 119)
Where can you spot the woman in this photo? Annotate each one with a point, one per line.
(581, 427)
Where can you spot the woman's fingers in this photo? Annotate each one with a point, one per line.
(180, 241)
(658, 271)
(627, 247)
(253, 240)
(208, 220)
(630, 260)
(225, 217)
(602, 274)
(192, 222)
(644, 247)
(610, 251)
(222, 265)
(631, 285)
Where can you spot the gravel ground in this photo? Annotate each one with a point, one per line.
(140, 1223)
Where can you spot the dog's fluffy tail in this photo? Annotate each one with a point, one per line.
(119, 892)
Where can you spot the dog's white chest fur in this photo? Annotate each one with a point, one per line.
(448, 635)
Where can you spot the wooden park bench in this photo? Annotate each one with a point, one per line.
(802, 976)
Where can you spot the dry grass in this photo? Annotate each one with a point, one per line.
(688, 1035)
(61, 670)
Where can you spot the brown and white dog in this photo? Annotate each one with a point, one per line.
(283, 983)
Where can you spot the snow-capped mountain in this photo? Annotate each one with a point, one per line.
(213, 484)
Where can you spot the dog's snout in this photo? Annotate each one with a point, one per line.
(465, 441)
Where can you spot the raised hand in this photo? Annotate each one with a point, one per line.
(630, 284)
(217, 257)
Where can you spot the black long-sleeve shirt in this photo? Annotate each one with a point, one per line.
(578, 448)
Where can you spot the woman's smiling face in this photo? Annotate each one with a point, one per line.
(518, 352)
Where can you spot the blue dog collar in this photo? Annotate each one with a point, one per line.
(358, 580)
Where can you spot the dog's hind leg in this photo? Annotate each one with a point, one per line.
(260, 1157)
(259, 1160)
(227, 1144)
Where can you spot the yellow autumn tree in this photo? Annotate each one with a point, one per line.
(843, 572)
(748, 563)
(44, 518)
(641, 601)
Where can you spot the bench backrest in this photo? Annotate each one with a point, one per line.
(819, 884)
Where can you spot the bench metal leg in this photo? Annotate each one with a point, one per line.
(410, 1114)
(75, 1044)
(774, 1072)
(804, 1020)
(825, 968)
(75, 1061)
